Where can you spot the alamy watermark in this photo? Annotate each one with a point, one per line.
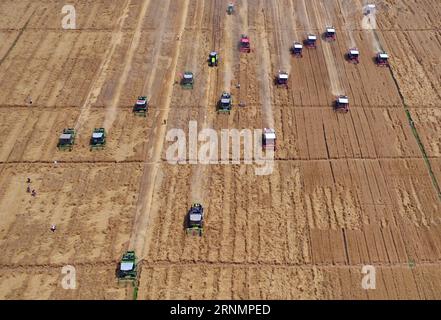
(369, 280)
(69, 281)
(69, 21)
(224, 147)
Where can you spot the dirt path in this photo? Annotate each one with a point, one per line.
(139, 239)
(101, 75)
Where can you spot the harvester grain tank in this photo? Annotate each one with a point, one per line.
(342, 104)
(127, 269)
(213, 59)
(269, 139)
(195, 220)
(225, 103)
(98, 139)
(330, 34)
(297, 49)
(353, 55)
(67, 139)
(311, 41)
(282, 79)
(382, 59)
(245, 44)
(141, 106)
(187, 80)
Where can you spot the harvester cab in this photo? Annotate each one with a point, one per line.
(225, 103)
(195, 220)
(245, 44)
(382, 59)
(187, 80)
(269, 139)
(353, 55)
(230, 8)
(141, 106)
(311, 41)
(297, 49)
(342, 104)
(282, 79)
(98, 139)
(213, 59)
(330, 34)
(127, 266)
(67, 139)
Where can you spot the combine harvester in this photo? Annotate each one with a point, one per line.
(213, 59)
(311, 41)
(297, 49)
(330, 34)
(282, 79)
(141, 106)
(67, 139)
(244, 45)
(382, 59)
(269, 139)
(353, 55)
(194, 224)
(342, 104)
(187, 80)
(98, 139)
(225, 103)
(230, 8)
(127, 268)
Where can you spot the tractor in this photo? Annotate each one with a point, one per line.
(297, 49)
(282, 79)
(194, 224)
(230, 8)
(342, 104)
(269, 139)
(141, 106)
(311, 41)
(382, 59)
(330, 34)
(213, 59)
(370, 8)
(98, 139)
(67, 139)
(245, 44)
(353, 55)
(225, 103)
(127, 266)
(187, 80)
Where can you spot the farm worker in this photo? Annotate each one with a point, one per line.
(29, 180)
(53, 228)
(28, 189)
(34, 193)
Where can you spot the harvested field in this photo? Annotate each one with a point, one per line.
(346, 190)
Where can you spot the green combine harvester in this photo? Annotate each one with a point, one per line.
(141, 106)
(127, 269)
(195, 220)
(67, 139)
(98, 139)
(187, 80)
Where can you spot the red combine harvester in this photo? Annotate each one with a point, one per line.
(342, 104)
(269, 139)
(245, 44)
(353, 55)
(310, 41)
(297, 49)
(382, 59)
(330, 34)
(282, 79)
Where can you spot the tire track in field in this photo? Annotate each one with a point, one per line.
(101, 75)
(111, 111)
(335, 83)
(140, 236)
